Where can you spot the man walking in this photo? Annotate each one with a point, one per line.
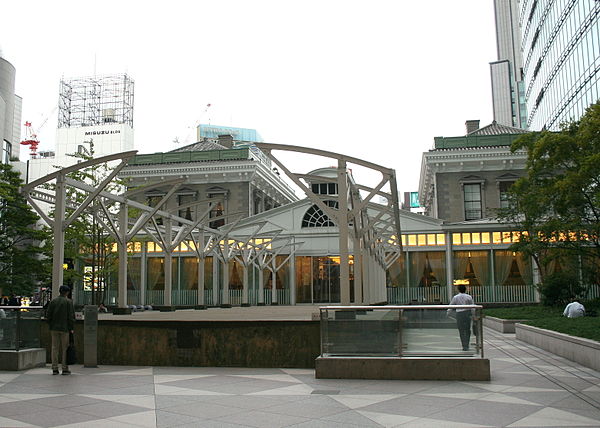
(61, 318)
(463, 316)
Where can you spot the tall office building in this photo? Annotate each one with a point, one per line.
(508, 95)
(561, 59)
(10, 112)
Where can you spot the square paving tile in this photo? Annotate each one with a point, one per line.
(53, 417)
(259, 419)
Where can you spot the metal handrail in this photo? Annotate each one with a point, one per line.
(403, 307)
(21, 307)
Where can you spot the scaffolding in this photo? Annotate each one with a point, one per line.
(97, 100)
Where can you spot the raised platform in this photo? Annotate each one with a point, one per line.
(583, 351)
(499, 324)
(23, 359)
(402, 368)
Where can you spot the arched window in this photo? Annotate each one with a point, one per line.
(315, 217)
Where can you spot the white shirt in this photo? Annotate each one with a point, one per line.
(574, 310)
(462, 299)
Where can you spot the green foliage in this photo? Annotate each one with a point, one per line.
(550, 318)
(587, 327)
(559, 288)
(23, 262)
(592, 306)
(86, 241)
(558, 202)
(529, 312)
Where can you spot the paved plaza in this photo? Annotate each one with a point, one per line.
(529, 388)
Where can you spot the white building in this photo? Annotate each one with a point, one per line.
(10, 112)
(96, 109)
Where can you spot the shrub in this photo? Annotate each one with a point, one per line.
(559, 288)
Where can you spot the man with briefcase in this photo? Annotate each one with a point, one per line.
(61, 319)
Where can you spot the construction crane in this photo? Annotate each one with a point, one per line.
(31, 138)
(191, 128)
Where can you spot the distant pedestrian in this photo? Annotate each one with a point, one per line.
(14, 301)
(463, 316)
(61, 319)
(574, 309)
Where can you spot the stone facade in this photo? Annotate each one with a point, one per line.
(245, 183)
(480, 161)
(450, 188)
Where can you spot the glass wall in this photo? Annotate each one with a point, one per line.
(326, 279)
(427, 269)
(188, 273)
(472, 268)
(561, 52)
(304, 279)
(511, 268)
(396, 273)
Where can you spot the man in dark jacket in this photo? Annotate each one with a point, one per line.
(61, 318)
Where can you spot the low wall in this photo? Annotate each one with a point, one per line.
(23, 359)
(202, 343)
(403, 368)
(583, 351)
(499, 324)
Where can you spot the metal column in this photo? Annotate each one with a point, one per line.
(58, 252)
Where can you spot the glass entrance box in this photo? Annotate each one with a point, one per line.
(402, 331)
(415, 342)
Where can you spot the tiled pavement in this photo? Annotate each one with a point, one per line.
(529, 388)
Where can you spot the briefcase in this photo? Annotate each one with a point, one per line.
(71, 351)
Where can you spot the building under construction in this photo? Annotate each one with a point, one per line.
(97, 100)
(95, 116)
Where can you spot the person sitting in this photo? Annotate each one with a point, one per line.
(574, 309)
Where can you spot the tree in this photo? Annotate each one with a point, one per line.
(557, 203)
(92, 244)
(24, 264)
(87, 245)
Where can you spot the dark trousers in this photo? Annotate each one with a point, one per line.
(463, 322)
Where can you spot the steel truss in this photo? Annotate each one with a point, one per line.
(372, 228)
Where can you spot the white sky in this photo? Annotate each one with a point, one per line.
(373, 79)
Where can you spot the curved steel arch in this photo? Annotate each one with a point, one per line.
(373, 228)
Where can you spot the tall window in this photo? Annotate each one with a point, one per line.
(153, 201)
(504, 187)
(185, 199)
(216, 211)
(6, 151)
(472, 195)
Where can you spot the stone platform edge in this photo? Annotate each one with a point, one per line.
(583, 351)
(22, 359)
(500, 324)
(402, 368)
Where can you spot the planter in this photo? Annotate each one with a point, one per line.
(583, 351)
(501, 325)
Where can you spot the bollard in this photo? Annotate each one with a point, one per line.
(90, 336)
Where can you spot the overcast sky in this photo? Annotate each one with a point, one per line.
(372, 79)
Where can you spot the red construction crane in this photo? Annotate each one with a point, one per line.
(31, 139)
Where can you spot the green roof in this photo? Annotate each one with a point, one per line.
(190, 156)
(494, 134)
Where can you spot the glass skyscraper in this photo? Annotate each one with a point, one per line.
(561, 59)
(508, 93)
